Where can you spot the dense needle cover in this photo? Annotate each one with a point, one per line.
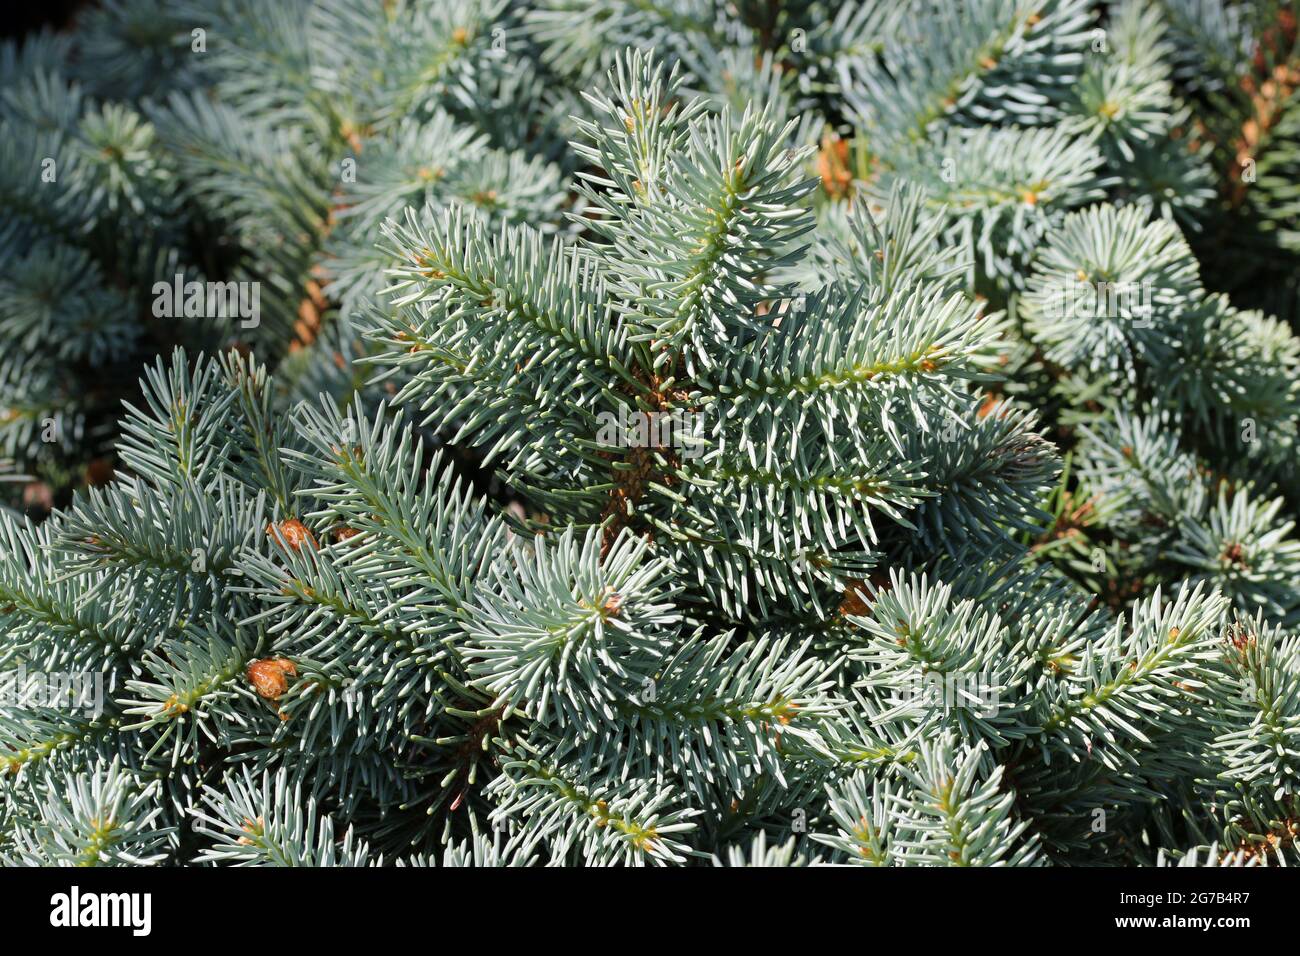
(500, 433)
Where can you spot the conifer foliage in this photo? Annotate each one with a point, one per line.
(707, 433)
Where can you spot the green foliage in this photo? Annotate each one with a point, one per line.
(701, 433)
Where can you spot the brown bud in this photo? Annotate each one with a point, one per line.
(293, 532)
(855, 600)
(613, 604)
(270, 677)
(251, 828)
